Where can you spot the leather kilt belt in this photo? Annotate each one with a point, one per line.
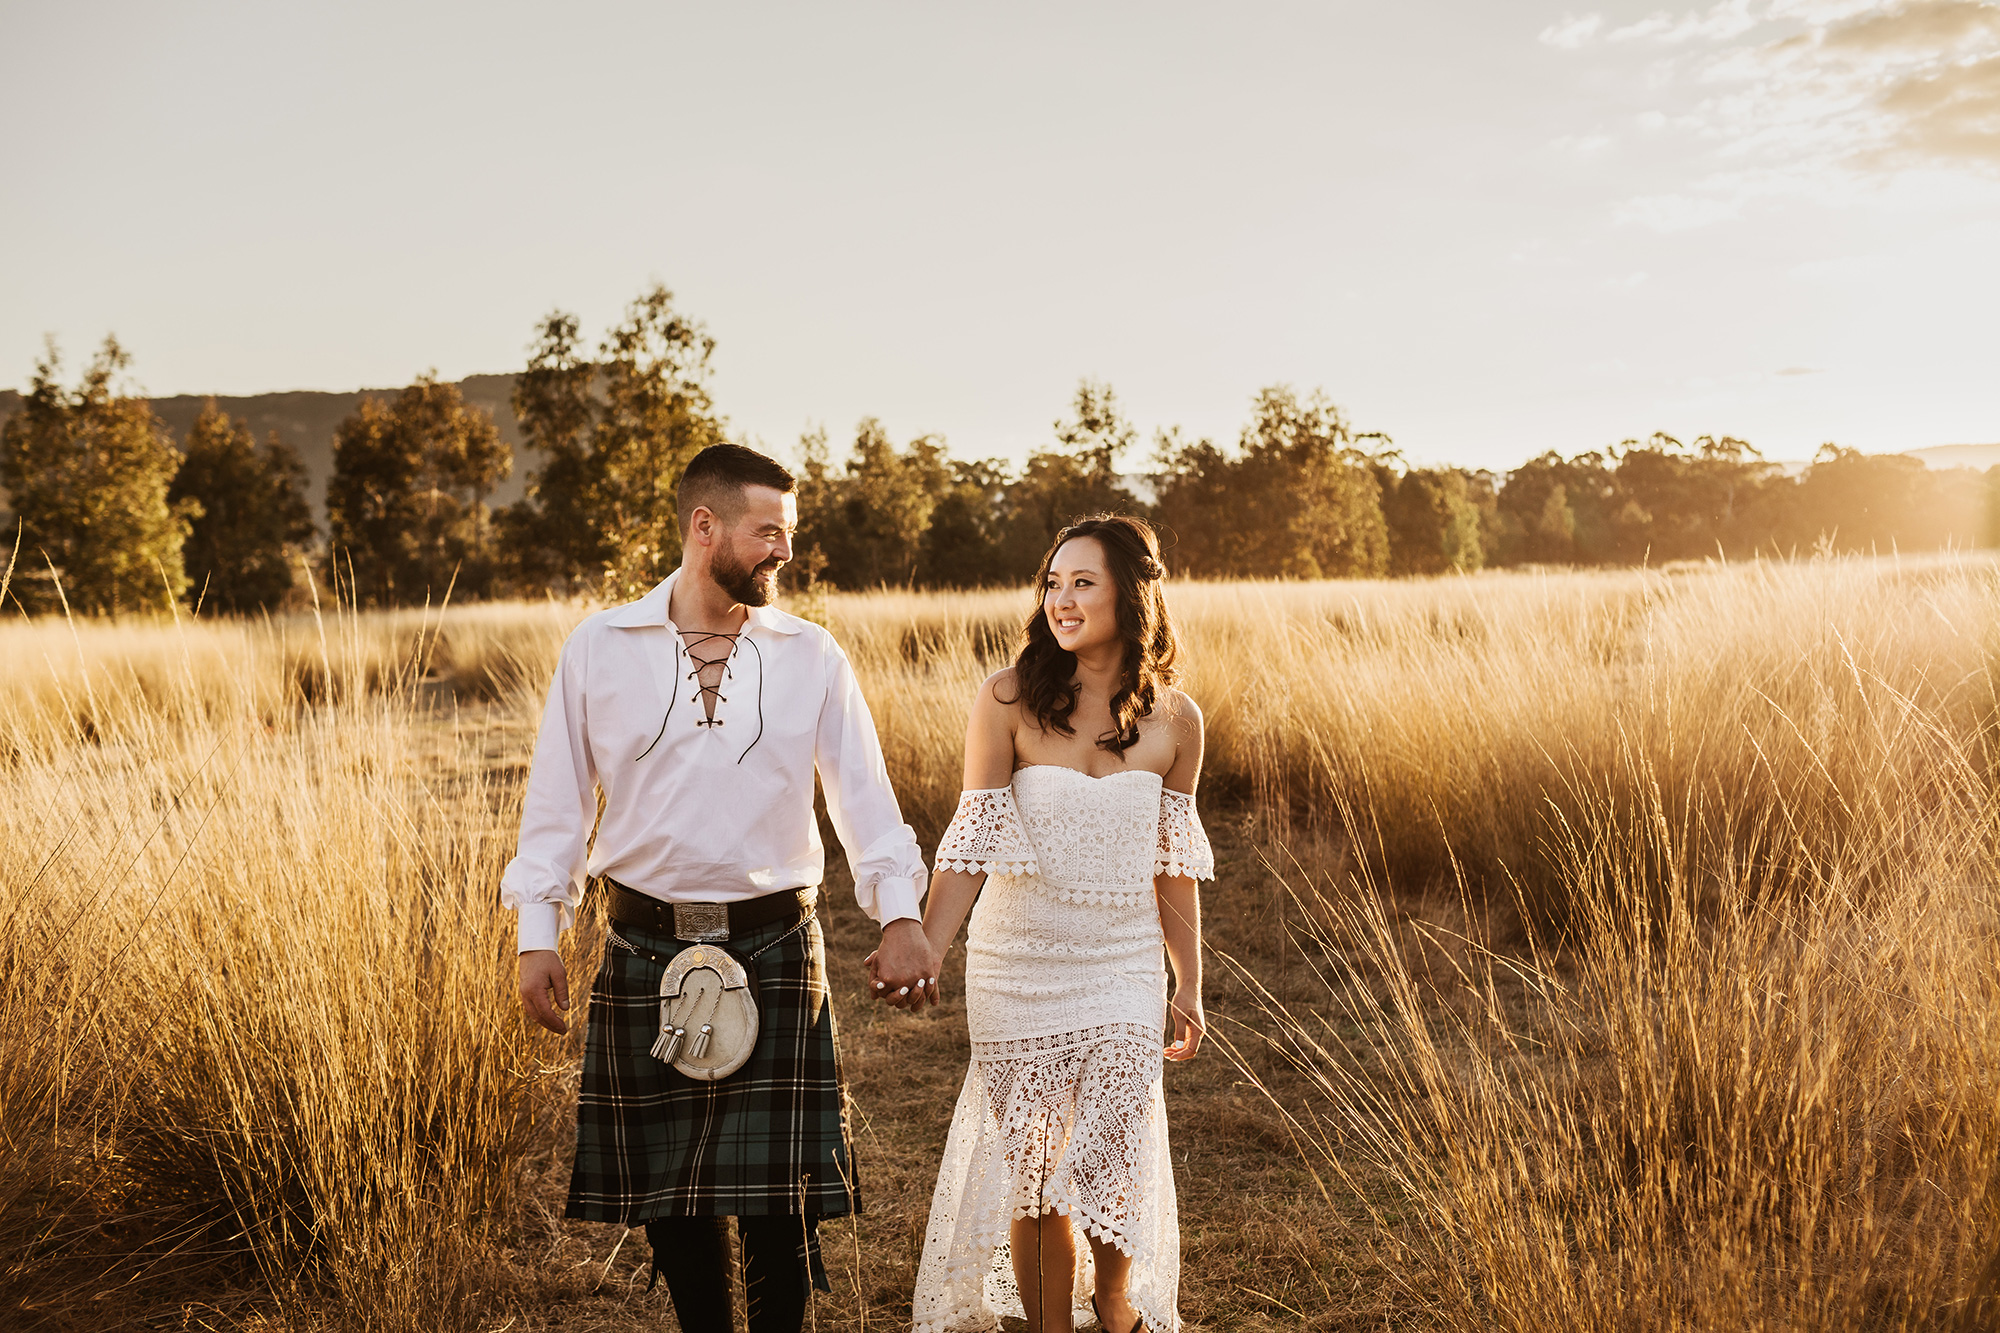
(706, 923)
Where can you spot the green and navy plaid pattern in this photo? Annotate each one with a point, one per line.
(772, 1138)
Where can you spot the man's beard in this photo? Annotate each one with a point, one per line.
(741, 582)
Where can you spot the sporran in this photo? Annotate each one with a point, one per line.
(708, 1013)
(708, 1006)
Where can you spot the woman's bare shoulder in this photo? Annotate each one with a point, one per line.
(998, 690)
(998, 700)
(1183, 713)
(989, 733)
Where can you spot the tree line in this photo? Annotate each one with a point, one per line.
(112, 514)
(1302, 494)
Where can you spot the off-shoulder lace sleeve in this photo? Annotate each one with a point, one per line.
(986, 836)
(1184, 848)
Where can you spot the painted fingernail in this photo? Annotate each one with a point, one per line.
(880, 985)
(904, 991)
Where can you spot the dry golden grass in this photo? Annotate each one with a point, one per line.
(70, 681)
(1732, 1060)
(254, 1009)
(1629, 963)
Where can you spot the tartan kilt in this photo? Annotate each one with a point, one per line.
(771, 1138)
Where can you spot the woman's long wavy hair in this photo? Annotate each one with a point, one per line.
(1045, 672)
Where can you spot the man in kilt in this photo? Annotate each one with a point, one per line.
(701, 714)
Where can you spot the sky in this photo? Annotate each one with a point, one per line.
(1488, 228)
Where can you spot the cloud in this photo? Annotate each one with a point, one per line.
(1730, 18)
(1582, 145)
(1782, 97)
(1676, 212)
(1850, 270)
(1801, 370)
(1569, 32)
(1905, 85)
(1940, 26)
(1952, 115)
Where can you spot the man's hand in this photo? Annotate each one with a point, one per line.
(905, 968)
(544, 988)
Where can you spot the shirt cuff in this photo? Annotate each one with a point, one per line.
(539, 925)
(895, 899)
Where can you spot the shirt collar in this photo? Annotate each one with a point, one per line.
(651, 610)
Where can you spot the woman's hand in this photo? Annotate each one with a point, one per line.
(1187, 1022)
(903, 972)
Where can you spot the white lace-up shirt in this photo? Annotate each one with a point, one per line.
(704, 813)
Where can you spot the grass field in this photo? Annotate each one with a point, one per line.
(1592, 951)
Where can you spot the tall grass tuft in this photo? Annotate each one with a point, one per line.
(1749, 1076)
(256, 1011)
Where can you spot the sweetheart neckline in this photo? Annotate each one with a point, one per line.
(1121, 773)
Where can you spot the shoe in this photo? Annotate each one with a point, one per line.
(1138, 1325)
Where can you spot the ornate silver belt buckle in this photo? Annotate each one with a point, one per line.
(701, 923)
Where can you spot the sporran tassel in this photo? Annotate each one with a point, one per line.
(700, 1047)
(669, 1041)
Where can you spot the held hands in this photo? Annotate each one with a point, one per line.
(903, 972)
(1187, 1022)
(544, 988)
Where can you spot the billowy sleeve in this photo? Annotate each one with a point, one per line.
(1183, 849)
(882, 851)
(986, 836)
(543, 884)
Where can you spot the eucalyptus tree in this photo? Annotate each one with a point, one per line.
(251, 520)
(87, 470)
(406, 507)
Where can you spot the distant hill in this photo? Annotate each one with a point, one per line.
(1938, 458)
(1981, 456)
(305, 419)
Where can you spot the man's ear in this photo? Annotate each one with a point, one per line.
(701, 527)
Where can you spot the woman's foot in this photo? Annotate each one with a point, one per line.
(1122, 1318)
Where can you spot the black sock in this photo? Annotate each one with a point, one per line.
(774, 1277)
(692, 1254)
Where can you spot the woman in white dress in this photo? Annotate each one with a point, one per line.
(1076, 849)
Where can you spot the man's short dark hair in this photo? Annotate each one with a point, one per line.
(715, 479)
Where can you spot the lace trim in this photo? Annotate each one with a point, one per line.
(1183, 846)
(1101, 897)
(1069, 1123)
(986, 836)
(1066, 1202)
(988, 867)
(1020, 1048)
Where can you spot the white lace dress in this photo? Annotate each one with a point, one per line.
(1066, 999)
